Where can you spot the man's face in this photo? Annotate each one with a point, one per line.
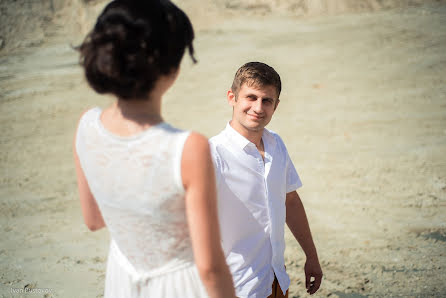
(253, 107)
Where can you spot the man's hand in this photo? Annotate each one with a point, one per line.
(313, 275)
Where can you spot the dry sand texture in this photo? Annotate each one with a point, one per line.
(363, 114)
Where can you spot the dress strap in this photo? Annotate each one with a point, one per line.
(179, 146)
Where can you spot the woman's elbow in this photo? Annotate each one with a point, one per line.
(211, 272)
(94, 226)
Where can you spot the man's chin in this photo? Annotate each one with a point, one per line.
(254, 126)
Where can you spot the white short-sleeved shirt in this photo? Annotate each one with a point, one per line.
(251, 205)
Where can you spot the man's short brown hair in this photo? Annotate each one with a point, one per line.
(256, 74)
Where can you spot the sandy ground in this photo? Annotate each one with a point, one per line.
(363, 114)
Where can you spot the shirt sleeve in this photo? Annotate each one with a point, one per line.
(292, 178)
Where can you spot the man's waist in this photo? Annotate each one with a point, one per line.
(256, 282)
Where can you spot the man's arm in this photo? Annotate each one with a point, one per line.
(296, 220)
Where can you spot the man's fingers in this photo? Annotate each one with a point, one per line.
(307, 281)
(310, 288)
(315, 284)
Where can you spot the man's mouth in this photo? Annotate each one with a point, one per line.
(255, 116)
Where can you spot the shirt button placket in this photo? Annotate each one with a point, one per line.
(268, 205)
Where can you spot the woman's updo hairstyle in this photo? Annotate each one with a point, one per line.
(133, 43)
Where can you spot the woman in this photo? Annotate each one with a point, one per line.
(151, 184)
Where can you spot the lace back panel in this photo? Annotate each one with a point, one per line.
(136, 182)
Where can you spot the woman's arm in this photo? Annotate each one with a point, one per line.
(90, 210)
(201, 208)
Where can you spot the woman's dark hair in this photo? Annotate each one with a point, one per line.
(132, 44)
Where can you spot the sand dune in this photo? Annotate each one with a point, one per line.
(25, 23)
(363, 114)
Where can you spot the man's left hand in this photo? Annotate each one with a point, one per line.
(313, 275)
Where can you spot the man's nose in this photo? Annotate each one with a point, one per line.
(258, 108)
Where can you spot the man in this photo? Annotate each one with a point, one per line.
(257, 184)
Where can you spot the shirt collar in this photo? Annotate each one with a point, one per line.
(241, 142)
(236, 137)
(268, 138)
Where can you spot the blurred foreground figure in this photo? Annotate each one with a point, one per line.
(151, 184)
(257, 182)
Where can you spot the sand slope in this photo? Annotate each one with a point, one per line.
(362, 113)
(27, 23)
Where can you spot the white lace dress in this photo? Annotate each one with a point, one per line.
(137, 184)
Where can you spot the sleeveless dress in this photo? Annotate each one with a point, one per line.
(137, 184)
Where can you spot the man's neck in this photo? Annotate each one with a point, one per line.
(254, 137)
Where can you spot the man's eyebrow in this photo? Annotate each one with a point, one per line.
(269, 98)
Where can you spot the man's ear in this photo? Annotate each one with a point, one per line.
(277, 103)
(231, 97)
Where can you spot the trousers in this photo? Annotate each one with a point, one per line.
(277, 291)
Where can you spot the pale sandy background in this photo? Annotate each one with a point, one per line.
(363, 114)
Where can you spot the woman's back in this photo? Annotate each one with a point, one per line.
(137, 184)
(161, 232)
